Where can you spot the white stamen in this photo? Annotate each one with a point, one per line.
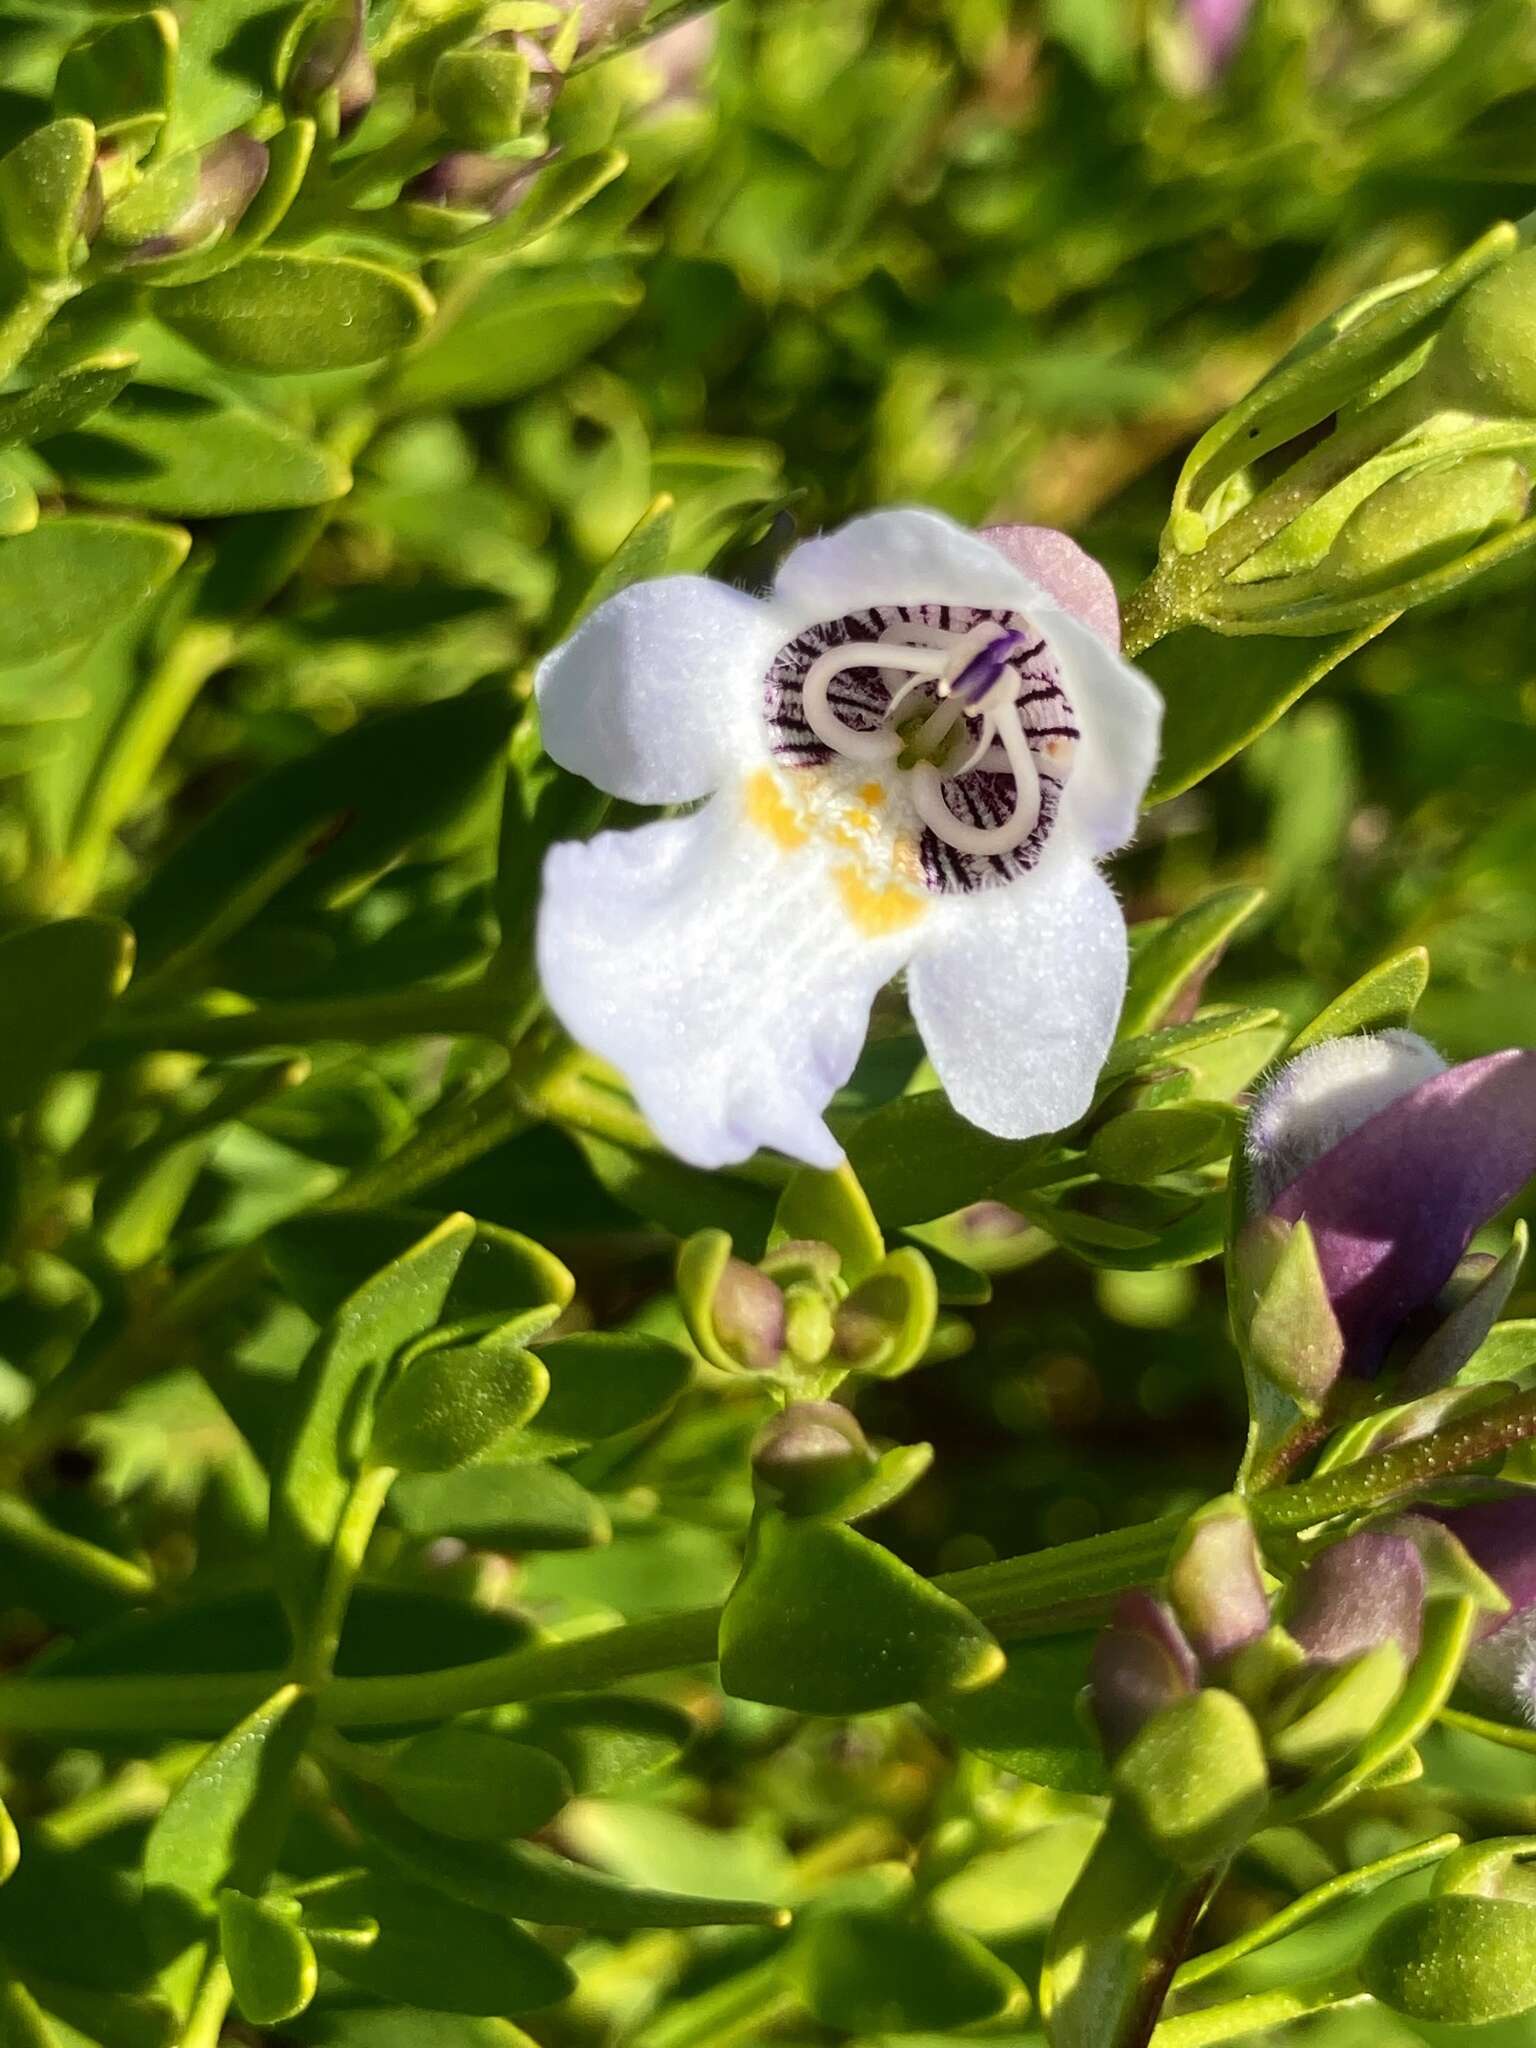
(882, 744)
(928, 797)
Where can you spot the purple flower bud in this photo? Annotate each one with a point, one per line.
(1395, 1161)
(749, 1316)
(1218, 27)
(334, 56)
(1369, 1589)
(1216, 1584)
(230, 173)
(1141, 1663)
(811, 1455)
(475, 184)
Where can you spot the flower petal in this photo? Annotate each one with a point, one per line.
(720, 972)
(657, 696)
(1313, 1101)
(1393, 1206)
(1121, 716)
(902, 556)
(1016, 992)
(1066, 572)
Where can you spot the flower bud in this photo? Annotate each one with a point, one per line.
(1141, 1663)
(469, 183)
(1484, 358)
(1500, 1538)
(749, 1316)
(1415, 524)
(1394, 1162)
(190, 201)
(1367, 1590)
(333, 58)
(1216, 1583)
(809, 1457)
(1217, 27)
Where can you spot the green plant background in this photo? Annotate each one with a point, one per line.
(281, 546)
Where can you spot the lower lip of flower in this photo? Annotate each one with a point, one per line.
(959, 712)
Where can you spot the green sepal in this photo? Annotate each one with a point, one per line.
(288, 159)
(122, 78)
(1464, 1329)
(480, 95)
(1455, 1960)
(733, 1313)
(825, 1622)
(272, 1969)
(1291, 1334)
(885, 1326)
(1335, 1711)
(10, 1845)
(1494, 1869)
(830, 1208)
(45, 187)
(464, 1781)
(896, 1472)
(1195, 1779)
(452, 1405)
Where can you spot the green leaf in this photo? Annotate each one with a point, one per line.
(1382, 1000)
(1219, 702)
(271, 1965)
(825, 1622)
(642, 554)
(23, 2023)
(507, 1283)
(917, 1158)
(182, 452)
(44, 187)
(1175, 957)
(830, 1208)
(387, 782)
(57, 403)
(532, 1884)
(1028, 1720)
(283, 313)
(1143, 1144)
(501, 1507)
(1456, 1960)
(606, 1742)
(224, 1824)
(868, 1971)
(451, 1406)
(601, 1383)
(520, 329)
(70, 579)
(1173, 1045)
(431, 1951)
(896, 1472)
(466, 1782)
(10, 1845)
(679, 1198)
(332, 1395)
(559, 190)
(57, 982)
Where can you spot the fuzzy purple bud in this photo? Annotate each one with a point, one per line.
(1500, 1538)
(1369, 1589)
(1394, 1162)
(474, 184)
(1141, 1663)
(230, 172)
(1216, 1583)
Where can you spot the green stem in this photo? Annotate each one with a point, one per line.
(109, 1581)
(364, 1505)
(1240, 2018)
(136, 749)
(210, 2007)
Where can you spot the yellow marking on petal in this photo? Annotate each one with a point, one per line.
(873, 794)
(876, 908)
(772, 812)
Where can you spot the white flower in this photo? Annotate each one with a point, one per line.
(914, 750)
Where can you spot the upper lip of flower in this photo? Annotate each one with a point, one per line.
(725, 961)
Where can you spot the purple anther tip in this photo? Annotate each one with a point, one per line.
(983, 669)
